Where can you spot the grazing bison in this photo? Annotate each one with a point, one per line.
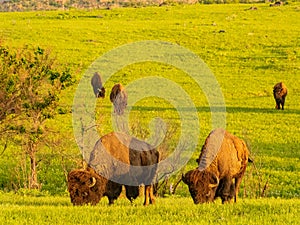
(277, 3)
(126, 160)
(279, 93)
(98, 88)
(223, 158)
(252, 8)
(118, 97)
(87, 187)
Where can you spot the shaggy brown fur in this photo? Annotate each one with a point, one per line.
(87, 187)
(223, 158)
(125, 159)
(279, 93)
(118, 97)
(204, 179)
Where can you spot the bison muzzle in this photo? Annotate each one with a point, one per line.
(87, 187)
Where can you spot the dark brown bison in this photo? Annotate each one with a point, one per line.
(223, 159)
(277, 3)
(126, 160)
(118, 97)
(87, 187)
(279, 93)
(98, 88)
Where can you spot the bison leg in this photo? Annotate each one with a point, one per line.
(146, 202)
(237, 182)
(132, 192)
(111, 201)
(277, 104)
(149, 196)
(226, 190)
(282, 103)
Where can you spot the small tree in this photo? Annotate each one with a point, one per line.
(9, 85)
(32, 84)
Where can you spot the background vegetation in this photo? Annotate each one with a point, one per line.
(29, 5)
(247, 50)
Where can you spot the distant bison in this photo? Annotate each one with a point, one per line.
(223, 158)
(98, 88)
(118, 97)
(279, 93)
(126, 160)
(277, 3)
(252, 8)
(87, 187)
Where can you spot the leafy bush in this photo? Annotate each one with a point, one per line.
(30, 83)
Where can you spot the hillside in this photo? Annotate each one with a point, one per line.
(32, 5)
(248, 51)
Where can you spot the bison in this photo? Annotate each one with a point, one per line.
(87, 187)
(279, 93)
(118, 97)
(277, 3)
(98, 88)
(126, 160)
(223, 158)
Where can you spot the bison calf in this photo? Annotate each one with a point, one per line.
(223, 159)
(279, 93)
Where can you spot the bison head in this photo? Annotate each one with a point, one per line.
(279, 90)
(202, 185)
(101, 92)
(83, 188)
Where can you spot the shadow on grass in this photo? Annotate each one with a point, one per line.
(261, 110)
(229, 109)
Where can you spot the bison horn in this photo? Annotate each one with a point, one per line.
(93, 182)
(183, 178)
(214, 184)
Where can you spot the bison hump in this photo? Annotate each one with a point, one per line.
(211, 148)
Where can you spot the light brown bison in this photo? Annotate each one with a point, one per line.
(279, 93)
(87, 187)
(98, 88)
(118, 97)
(223, 158)
(126, 160)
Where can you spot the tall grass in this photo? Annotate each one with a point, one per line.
(172, 210)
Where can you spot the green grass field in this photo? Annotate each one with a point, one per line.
(248, 51)
(172, 210)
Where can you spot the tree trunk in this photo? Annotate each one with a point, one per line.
(33, 180)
